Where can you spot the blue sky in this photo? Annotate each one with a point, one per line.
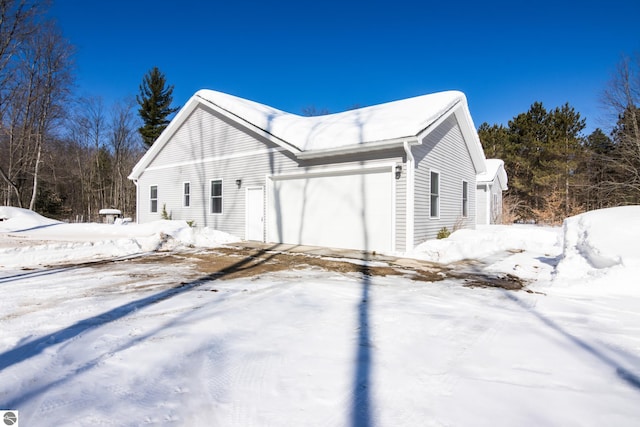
(336, 54)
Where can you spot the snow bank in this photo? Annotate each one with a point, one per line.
(15, 219)
(28, 239)
(601, 247)
(486, 241)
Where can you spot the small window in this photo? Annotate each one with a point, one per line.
(187, 195)
(465, 199)
(153, 198)
(435, 195)
(216, 196)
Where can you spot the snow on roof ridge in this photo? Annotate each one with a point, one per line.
(387, 121)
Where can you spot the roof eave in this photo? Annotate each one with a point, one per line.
(357, 148)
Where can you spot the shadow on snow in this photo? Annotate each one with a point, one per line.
(31, 349)
(623, 373)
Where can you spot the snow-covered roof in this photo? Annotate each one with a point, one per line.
(495, 168)
(383, 122)
(362, 129)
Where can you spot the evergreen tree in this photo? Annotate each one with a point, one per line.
(599, 150)
(528, 134)
(495, 140)
(155, 100)
(542, 151)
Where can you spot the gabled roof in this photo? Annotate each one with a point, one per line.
(364, 129)
(495, 168)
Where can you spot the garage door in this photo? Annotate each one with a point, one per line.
(346, 210)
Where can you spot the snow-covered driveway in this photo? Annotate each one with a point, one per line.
(144, 341)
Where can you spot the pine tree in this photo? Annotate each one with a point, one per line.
(543, 152)
(155, 100)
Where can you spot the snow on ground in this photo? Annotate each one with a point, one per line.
(28, 239)
(143, 341)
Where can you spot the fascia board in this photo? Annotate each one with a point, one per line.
(471, 138)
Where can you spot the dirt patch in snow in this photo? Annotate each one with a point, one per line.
(239, 262)
(233, 263)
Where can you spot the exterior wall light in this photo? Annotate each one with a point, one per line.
(238, 182)
(398, 171)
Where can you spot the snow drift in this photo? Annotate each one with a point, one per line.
(486, 241)
(600, 246)
(31, 239)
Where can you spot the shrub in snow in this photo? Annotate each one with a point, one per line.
(443, 233)
(164, 214)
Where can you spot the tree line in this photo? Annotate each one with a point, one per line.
(68, 157)
(62, 156)
(555, 170)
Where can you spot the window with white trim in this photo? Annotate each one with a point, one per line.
(153, 199)
(465, 199)
(434, 206)
(216, 196)
(186, 192)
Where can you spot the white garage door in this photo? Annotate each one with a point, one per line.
(347, 210)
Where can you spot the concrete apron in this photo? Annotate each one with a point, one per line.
(312, 250)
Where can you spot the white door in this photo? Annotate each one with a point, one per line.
(255, 214)
(343, 210)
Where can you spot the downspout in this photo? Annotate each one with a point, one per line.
(135, 181)
(410, 215)
(489, 192)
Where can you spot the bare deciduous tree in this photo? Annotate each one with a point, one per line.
(622, 99)
(33, 98)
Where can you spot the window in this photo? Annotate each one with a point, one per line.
(465, 199)
(435, 195)
(153, 198)
(216, 196)
(186, 200)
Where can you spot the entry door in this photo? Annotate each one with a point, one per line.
(255, 214)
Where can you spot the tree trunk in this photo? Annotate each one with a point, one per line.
(12, 184)
(36, 170)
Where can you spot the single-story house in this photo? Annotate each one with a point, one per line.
(490, 185)
(380, 178)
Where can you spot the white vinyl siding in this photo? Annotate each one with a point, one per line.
(215, 206)
(203, 125)
(434, 195)
(186, 194)
(489, 203)
(442, 150)
(153, 199)
(211, 148)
